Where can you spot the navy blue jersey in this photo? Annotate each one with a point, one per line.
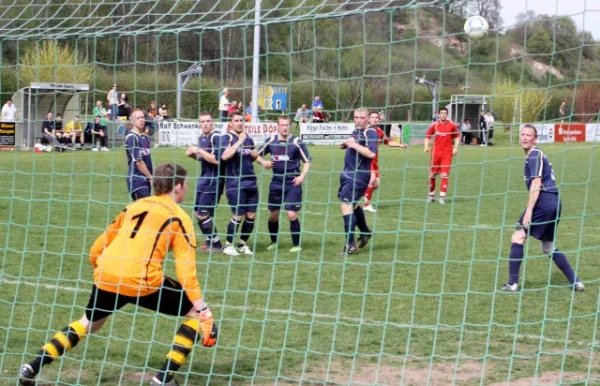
(239, 169)
(286, 156)
(355, 165)
(138, 148)
(537, 165)
(209, 176)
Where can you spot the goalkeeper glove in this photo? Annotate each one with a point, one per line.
(210, 331)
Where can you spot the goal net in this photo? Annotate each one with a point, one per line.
(422, 302)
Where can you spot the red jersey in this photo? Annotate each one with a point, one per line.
(382, 139)
(444, 133)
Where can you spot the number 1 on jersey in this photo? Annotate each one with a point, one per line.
(140, 219)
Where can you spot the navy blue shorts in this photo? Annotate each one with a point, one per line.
(545, 217)
(206, 202)
(242, 199)
(141, 192)
(351, 191)
(288, 193)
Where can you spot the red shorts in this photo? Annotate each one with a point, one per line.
(440, 163)
(375, 168)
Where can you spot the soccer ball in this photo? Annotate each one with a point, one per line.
(476, 27)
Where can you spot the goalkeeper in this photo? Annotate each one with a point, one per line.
(127, 260)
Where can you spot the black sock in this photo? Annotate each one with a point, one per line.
(295, 230)
(562, 263)
(349, 224)
(208, 228)
(232, 228)
(247, 228)
(184, 341)
(72, 334)
(361, 222)
(273, 230)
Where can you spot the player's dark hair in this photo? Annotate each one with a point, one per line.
(205, 113)
(166, 177)
(236, 114)
(532, 128)
(98, 116)
(375, 112)
(442, 109)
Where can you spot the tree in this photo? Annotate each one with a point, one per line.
(587, 102)
(490, 11)
(540, 43)
(51, 61)
(513, 104)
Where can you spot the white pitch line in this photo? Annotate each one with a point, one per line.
(321, 316)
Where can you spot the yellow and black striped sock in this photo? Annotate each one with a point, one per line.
(187, 335)
(62, 342)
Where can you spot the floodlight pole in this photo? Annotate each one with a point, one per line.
(256, 61)
(182, 79)
(433, 89)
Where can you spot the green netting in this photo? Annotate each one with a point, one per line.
(420, 305)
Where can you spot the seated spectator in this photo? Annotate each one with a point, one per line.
(302, 115)
(99, 110)
(465, 130)
(124, 108)
(49, 131)
(97, 134)
(163, 112)
(317, 103)
(73, 130)
(58, 125)
(249, 112)
(153, 111)
(318, 116)
(233, 108)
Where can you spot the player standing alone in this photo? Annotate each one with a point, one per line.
(286, 152)
(444, 132)
(210, 183)
(139, 163)
(542, 215)
(128, 269)
(374, 181)
(361, 148)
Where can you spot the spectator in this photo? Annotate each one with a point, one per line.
(382, 115)
(153, 111)
(232, 108)
(318, 116)
(124, 108)
(302, 115)
(248, 115)
(58, 125)
(113, 102)
(465, 130)
(9, 112)
(482, 130)
(96, 132)
(163, 111)
(562, 110)
(240, 107)
(489, 124)
(49, 131)
(73, 130)
(100, 111)
(317, 103)
(224, 105)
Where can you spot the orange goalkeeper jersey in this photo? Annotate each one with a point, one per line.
(128, 257)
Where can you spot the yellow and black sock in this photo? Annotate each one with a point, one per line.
(62, 342)
(187, 335)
